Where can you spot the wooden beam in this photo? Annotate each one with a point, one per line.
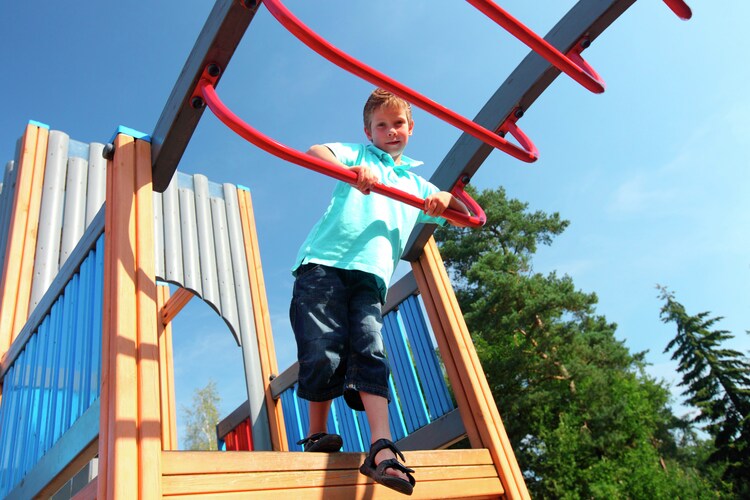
(453, 337)
(30, 168)
(175, 304)
(439, 474)
(147, 340)
(166, 376)
(262, 318)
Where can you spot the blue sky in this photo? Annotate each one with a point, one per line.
(652, 174)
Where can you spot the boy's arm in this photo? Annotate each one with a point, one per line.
(436, 204)
(366, 178)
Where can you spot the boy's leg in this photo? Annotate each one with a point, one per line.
(376, 409)
(319, 416)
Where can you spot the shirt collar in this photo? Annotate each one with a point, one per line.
(387, 159)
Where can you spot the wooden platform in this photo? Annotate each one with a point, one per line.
(279, 475)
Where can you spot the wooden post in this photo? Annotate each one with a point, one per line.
(130, 422)
(21, 244)
(166, 369)
(262, 318)
(475, 401)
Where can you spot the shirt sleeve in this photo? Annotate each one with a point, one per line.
(349, 154)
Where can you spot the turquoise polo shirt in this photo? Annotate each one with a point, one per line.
(367, 232)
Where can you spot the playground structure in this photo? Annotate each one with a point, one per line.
(87, 231)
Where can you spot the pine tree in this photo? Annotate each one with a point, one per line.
(717, 383)
(202, 418)
(583, 417)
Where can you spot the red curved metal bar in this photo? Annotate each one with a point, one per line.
(345, 61)
(680, 8)
(206, 89)
(578, 72)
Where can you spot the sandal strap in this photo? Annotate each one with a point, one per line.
(381, 444)
(311, 438)
(392, 463)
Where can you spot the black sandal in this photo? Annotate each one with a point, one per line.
(378, 474)
(322, 442)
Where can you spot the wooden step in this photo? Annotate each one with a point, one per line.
(280, 475)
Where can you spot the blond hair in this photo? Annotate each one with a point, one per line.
(382, 98)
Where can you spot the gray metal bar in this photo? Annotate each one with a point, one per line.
(87, 243)
(216, 44)
(74, 218)
(96, 188)
(47, 253)
(400, 291)
(172, 234)
(206, 247)
(436, 435)
(586, 18)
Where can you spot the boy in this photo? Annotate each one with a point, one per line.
(342, 271)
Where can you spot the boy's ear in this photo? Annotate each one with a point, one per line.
(411, 127)
(368, 134)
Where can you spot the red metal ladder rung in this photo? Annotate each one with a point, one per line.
(207, 93)
(352, 65)
(581, 73)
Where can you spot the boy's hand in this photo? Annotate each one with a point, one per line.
(436, 204)
(366, 178)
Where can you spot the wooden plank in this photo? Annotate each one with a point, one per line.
(221, 462)
(122, 460)
(443, 489)
(175, 304)
(259, 481)
(166, 377)
(17, 233)
(479, 396)
(107, 301)
(262, 319)
(26, 276)
(149, 408)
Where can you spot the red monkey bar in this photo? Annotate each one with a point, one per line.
(206, 90)
(574, 67)
(527, 152)
(680, 8)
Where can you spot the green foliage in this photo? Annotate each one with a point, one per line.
(717, 383)
(202, 418)
(584, 419)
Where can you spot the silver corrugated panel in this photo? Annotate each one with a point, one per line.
(97, 181)
(204, 251)
(250, 355)
(72, 194)
(159, 269)
(206, 246)
(188, 224)
(172, 231)
(74, 218)
(47, 255)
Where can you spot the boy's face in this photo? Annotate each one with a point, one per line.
(389, 130)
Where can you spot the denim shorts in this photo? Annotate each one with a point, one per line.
(336, 318)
